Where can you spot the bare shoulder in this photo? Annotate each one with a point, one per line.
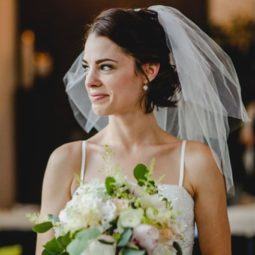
(201, 168)
(61, 168)
(65, 157)
(65, 151)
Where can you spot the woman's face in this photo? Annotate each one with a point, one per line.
(111, 72)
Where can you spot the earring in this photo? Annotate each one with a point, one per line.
(145, 87)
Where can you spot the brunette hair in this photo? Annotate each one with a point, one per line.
(139, 34)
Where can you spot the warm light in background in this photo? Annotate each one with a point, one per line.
(235, 20)
(222, 12)
(27, 58)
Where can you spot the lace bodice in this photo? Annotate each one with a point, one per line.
(181, 200)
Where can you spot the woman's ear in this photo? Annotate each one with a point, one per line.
(151, 70)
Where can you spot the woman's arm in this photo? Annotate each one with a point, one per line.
(210, 201)
(57, 181)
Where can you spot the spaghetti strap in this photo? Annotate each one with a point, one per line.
(83, 160)
(182, 163)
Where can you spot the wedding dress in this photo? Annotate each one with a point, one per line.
(182, 201)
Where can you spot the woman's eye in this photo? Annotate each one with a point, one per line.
(85, 67)
(106, 67)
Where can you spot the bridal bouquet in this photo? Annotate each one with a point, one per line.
(115, 217)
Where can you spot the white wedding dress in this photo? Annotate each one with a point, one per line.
(181, 200)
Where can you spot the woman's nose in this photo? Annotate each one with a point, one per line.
(92, 79)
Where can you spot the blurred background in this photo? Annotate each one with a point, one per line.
(39, 40)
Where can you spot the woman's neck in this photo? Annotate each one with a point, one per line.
(133, 130)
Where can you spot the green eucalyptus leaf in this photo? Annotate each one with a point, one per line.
(109, 184)
(140, 172)
(82, 240)
(130, 251)
(42, 227)
(125, 237)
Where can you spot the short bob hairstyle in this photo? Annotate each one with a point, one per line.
(139, 34)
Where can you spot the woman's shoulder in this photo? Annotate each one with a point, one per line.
(65, 152)
(201, 166)
(198, 149)
(59, 176)
(65, 159)
(199, 155)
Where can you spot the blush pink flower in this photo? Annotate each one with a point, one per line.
(146, 236)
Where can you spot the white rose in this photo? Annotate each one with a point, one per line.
(71, 220)
(108, 211)
(152, 201)
(152, 213)
(130, 218)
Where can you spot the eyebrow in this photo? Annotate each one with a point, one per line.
(100, 60)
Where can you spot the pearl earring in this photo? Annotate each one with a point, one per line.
(145, 87)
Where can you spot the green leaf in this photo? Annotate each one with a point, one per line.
(109, 184)
(177, 248)
(45, 252)
(42, 227)
(58, 245)
(141, 172)
(130, 251)
(125, 237)
(65, 240)
(54, 247)
(82, 240)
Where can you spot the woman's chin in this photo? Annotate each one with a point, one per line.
(100, 111)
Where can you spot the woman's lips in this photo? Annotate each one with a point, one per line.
(98, 97)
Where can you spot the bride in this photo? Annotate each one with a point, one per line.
(153, 85)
